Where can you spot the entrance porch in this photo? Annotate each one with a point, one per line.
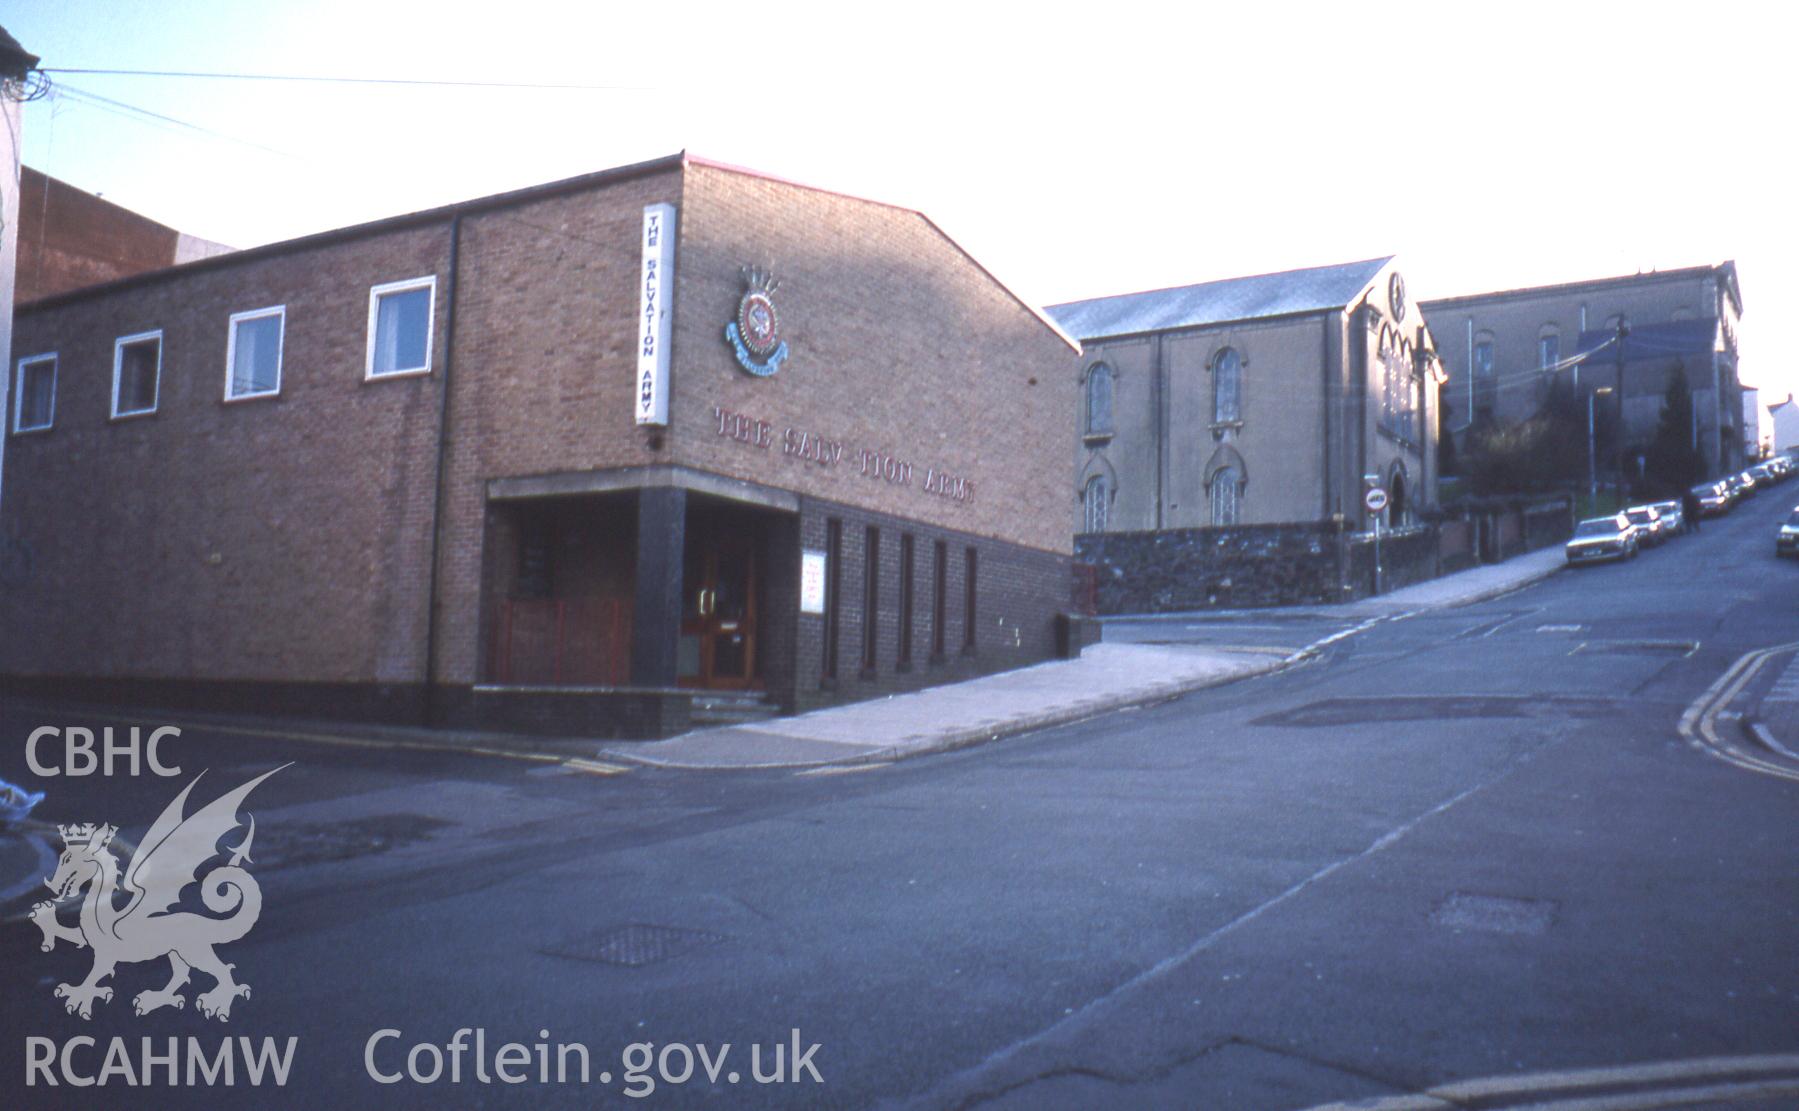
(629, 611)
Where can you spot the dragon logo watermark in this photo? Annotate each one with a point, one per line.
(146, 921)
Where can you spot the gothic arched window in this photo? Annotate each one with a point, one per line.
(1227, 387)
(1096, 501)
(1223, 492)
(1099, 400)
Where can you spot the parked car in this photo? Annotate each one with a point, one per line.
(1647, 520)
(1674, 519)
(1714, 498)
(1786, 542)
(1597, 539)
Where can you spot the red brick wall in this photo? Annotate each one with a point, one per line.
(279, 538)
(546, 369)
(69, 239)
(900, 344)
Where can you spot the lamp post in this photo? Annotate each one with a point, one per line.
(1592, 448)
(1623, 330)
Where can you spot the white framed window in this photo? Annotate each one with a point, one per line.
(400, 319)
(34, 393)
(253, 353)
(136, 374)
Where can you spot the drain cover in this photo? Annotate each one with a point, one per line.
(1359, 711)
(1494, 914)
(293, 843)
(635, 945)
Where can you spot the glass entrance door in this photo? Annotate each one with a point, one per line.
(719, 603)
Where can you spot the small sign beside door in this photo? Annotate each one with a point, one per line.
(812, 582)
(1375, 499)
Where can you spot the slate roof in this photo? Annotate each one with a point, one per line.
(1263, 295)
(1656, 341)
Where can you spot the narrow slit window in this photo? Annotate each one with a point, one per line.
(833, 595)
(871, 598)
(970, 600)
(907, 598)
(939, 597)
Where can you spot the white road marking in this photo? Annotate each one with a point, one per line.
(1786, 688)
(1656, 1084)
(1170, 963)
(1508, 621)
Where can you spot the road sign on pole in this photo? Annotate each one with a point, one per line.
(1375, 499)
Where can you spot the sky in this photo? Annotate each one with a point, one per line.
(1075, 150)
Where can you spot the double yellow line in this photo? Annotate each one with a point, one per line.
(581, 764)
(1699, 725)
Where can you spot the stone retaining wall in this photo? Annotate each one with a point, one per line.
(1305, 564)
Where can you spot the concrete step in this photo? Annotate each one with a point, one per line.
(731, 708)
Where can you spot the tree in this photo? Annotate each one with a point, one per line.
(1672, 460)
(1543, 452)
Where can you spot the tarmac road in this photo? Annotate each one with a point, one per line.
(1467, 858)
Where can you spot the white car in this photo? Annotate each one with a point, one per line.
(1648, 521)
(1598, 539)
(1786, 543)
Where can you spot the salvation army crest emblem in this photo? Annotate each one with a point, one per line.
(756, 333)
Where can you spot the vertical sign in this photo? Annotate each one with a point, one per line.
(812, 582)
(657, 283)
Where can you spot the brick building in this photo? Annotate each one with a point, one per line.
(553, 459)
(69, 238)
(1506, 351)
(16, 68)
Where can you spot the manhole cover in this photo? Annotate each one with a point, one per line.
(1360, 711)
(1494, 914)
(288, 844)
(635, 945)
(1639, 647)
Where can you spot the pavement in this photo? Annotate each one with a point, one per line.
(1132, 670)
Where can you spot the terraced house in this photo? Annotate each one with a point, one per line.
(565, 458)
